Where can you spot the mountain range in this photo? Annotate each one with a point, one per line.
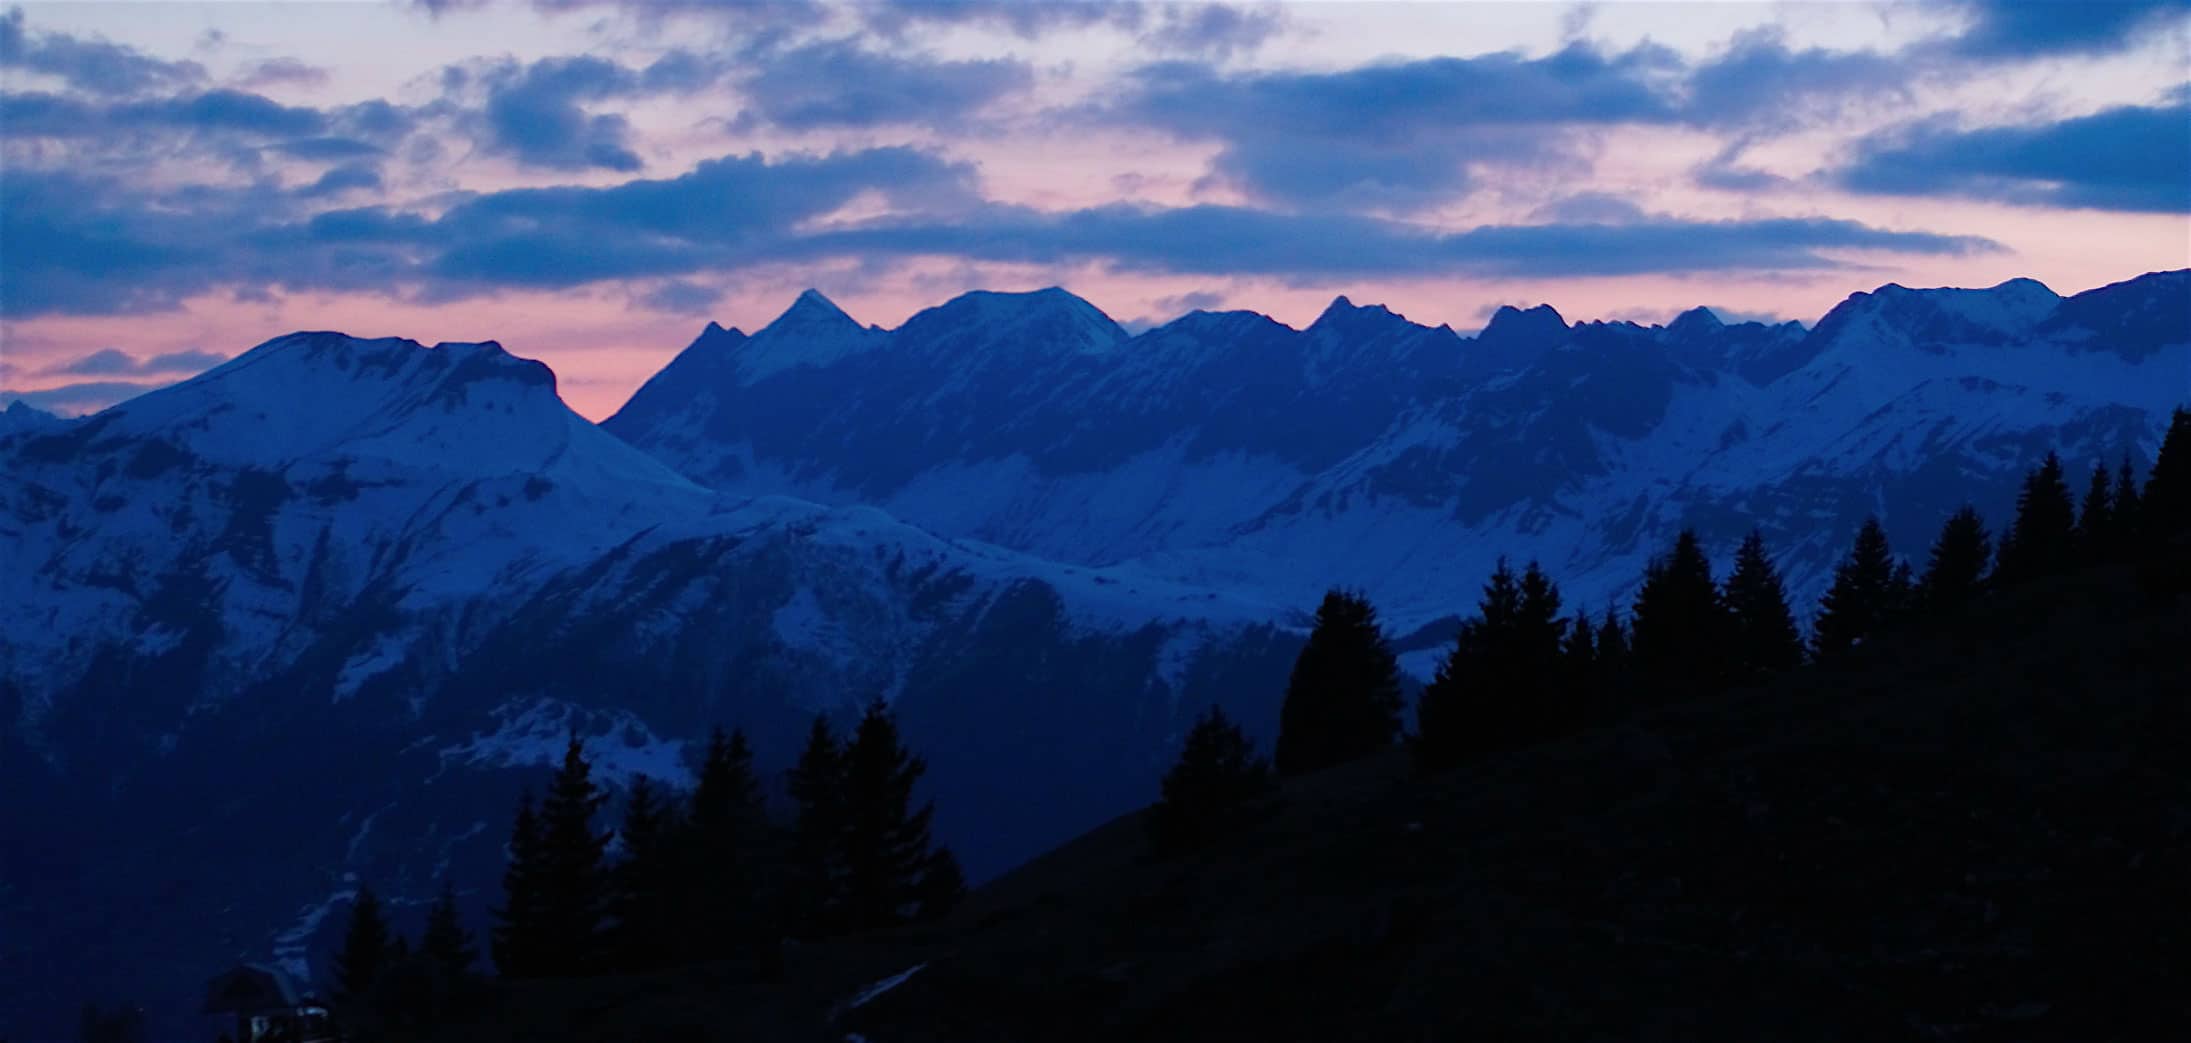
(317, 615)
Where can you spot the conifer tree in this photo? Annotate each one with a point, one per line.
(447, 948)
(942, 884)
(574, 887)
(1678, 628)
(1863, 597)
(2129, 513)
(885, 838)
(2166, 503)
(816, 783)
(1613, 647)
(2039, 542)
(2096, 531)
(725, 847)
(518, 923)
(367, 949)
(645, 903)
(1579, 655)
(1539, 685)
(1958, 562)
(1766, 641)
(1343, 699)
(1217, 778)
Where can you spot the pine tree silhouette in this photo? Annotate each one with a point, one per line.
(817, 865)
(885, 838)
(1216, 780)
(2129, 511)
(1678, 628)
(2096, 530)
(1539, 686)
(574, 878)
(1579, 666)
(1863, 598)
(1613, 650)
(645, 904)
(449, 955)
(1766, 641)
(2166, 503)
(366, 949)
(942, 884)
(2040, 541)
(725, 849)
(518, 927)
(1343, 699)
(1958, 562)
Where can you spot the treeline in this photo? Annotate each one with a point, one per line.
(702, 877)
(1522, 670)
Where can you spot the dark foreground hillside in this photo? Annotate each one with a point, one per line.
(1980, 832)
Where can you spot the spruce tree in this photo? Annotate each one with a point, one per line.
(518, 926)
(2129, 513)
(2166, 503)
(2096, 530)
(1958, 562)
(447, 949)
(942, 884)
(725, 848)
(1579, 659)
(1216, 780)
(366, 949)
(1766, 641)
(2040, 541)
(647, 909)
(1343, 699)
(816, 783)
(1613, 649)
(885, 838)
(574, 877)
(1863, 597)
(1678, 628)
(1539, 685)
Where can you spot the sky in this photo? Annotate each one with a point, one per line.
(590, 182)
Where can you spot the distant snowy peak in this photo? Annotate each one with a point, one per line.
(461, 409)
(1048, 320)
(2134, 318)
(812, 332)
(1696, 322)
(22, 416)
(1895, 315)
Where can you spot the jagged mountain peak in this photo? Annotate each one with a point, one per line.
(1511, 325)
(1696, 321)
(1343, 315)
(810, 312)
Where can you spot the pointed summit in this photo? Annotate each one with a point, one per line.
(811, 312)
(1696, 321)
(1344, 314)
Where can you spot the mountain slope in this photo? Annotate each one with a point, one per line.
(315, 615)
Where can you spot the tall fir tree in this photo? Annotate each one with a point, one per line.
(2129, 511)
(1863, 598)
(2040, 542)
(1678, 627)
(886, 841)
(1579, 659)
(942, 884)
(817, 874)
(517, 938)
(1957, 564)
(726, 849)
(1613, 649)
(1343, 699)
(1215, 781)
(1766, 640)
(1539, 684)
(367, 949)
(2096, 533)
(649, 912)
(574, 874)
(2166, 501)
(447, 948)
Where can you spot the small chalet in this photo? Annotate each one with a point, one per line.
(268, 1006)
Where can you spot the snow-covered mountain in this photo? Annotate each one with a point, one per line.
(1230, 451)
(314, 615)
